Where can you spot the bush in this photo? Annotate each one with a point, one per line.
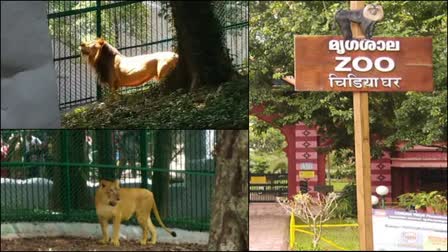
(347, 207)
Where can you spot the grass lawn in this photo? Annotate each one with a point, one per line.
(338, 185)
(346, 237)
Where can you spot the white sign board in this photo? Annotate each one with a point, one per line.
(406, 231)
(306, 166)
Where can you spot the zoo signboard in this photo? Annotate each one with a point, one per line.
(380, 64)
(356, 62)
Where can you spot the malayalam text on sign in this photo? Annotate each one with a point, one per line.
(329, 63)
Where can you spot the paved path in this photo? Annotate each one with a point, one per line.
(268, 227)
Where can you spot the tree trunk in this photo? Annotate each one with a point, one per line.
(105, 156)
(78, 188)
(229, 221)
(160, 179)
(203, 57)
(69, 187)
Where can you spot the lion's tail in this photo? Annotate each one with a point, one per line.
(156, 213)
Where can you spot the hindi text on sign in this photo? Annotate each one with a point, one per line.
(381, 64)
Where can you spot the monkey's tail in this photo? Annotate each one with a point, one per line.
(156, 213)
(335, 25)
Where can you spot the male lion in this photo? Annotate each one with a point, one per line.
(119, 204)
(118, 70)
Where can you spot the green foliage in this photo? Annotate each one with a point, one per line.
(347, 207)
(424, 199)
(111, 22)
(406, 200)
(420, 200)
(225, 107)
(418, 118)
(342, 164)
(261, 162)
(266, 149)
(266, 139)
(338, 186)
(439, 203)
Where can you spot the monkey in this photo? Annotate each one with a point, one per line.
(367, 17)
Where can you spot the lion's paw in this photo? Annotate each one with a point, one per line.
(116, 243)
(103, 241)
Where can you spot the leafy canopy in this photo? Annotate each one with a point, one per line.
(417, 118)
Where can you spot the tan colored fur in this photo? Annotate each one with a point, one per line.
(118, 70)
(120, 204)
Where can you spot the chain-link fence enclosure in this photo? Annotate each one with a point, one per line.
(52, 175)
(134, 28)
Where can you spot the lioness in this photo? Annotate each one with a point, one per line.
(119, 204)
(118, 70)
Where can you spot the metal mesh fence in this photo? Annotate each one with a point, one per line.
(52, 175)
(134, 28)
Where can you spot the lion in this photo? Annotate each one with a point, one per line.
(117, 70)
(120, 204)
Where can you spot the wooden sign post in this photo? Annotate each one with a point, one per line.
(362, 156)
(361, 66)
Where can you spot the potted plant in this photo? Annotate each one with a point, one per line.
(418, 204)
(406, 201)
(432, 202)
(439, 204)
(422, 202)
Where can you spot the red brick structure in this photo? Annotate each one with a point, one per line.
(418, 169)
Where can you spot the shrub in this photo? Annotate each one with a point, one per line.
(347, 207)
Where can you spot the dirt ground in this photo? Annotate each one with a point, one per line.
(89, 244)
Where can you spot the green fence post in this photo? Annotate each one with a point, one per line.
(144, 158)
(66, 172)
(99, 91)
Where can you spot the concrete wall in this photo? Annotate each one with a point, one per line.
(29, 96)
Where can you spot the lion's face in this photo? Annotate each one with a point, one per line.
(91, 48)
(111, 190)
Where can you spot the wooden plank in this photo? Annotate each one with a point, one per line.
(363, 176)
(362, 156)
(314, 63)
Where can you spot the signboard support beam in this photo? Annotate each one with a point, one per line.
(362, 155)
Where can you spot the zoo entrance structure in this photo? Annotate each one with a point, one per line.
(419, 169)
